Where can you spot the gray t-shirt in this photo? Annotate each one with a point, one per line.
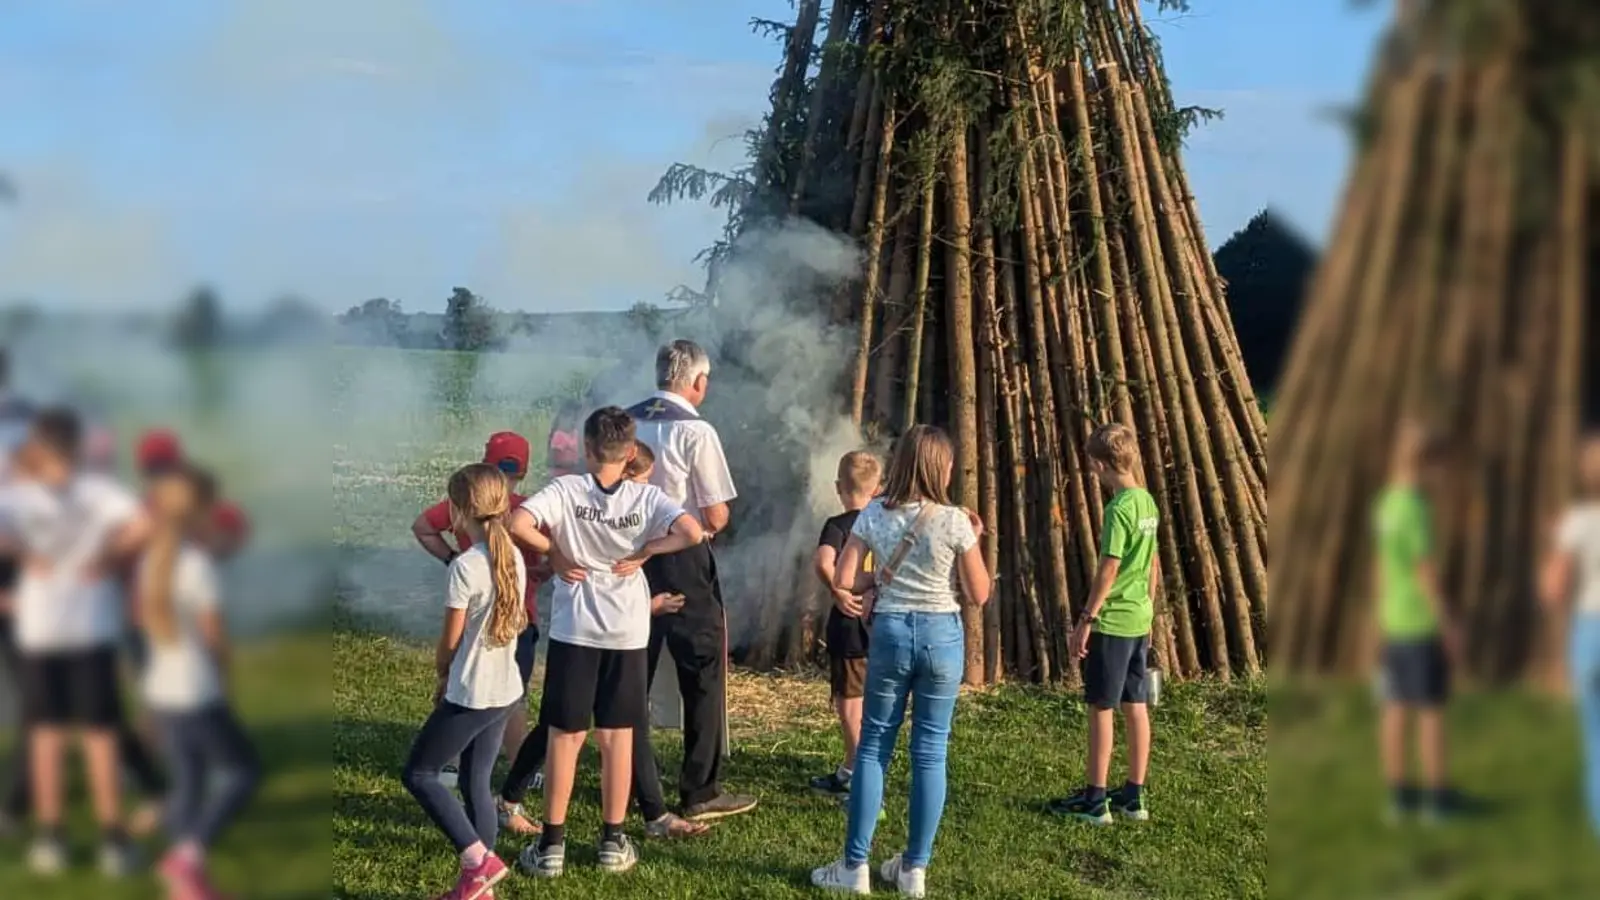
(1579, 535)
(481, 676)
(926, 580)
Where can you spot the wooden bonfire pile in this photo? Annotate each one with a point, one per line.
(1034, 266)
(1455, 292)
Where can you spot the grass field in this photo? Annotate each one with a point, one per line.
(1012, 748)
(279, 849)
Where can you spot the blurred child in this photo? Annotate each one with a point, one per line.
(1572, 577)
(214, 767)
(1420, 638)
(930, 565)
(480, 681)
(596, 671)
(846, 630)
(1112, 636)
(75, 529)
(508, 452)
(642, 464)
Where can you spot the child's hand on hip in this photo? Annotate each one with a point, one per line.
(847, 603)
(665, 604)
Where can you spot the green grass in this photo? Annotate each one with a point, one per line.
(1515, 754)
(1012, 749)
(279, 848)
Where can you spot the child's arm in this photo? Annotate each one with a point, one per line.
(684, 533)
(1555, 575)
(525, 530)
(850, 575)
(823, 563)
(1103, 579)
(215, 637)
(124, 544)
(429, 529)
(974, 574)
(1155, 576)
(1449, 632)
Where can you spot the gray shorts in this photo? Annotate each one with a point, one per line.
(1116, 671)
(1415, 673)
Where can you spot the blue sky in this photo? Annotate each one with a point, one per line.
(347, 149)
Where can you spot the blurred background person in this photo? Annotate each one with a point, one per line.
(74, 530)
(1571, 589)
(215, 769)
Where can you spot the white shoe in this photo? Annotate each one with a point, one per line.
(116, 861)
(912, 882)
(449, 776)
(47, 857)
(840, 878)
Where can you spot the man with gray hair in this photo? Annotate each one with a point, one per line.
(692, 469)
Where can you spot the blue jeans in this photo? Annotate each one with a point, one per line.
(1585, 666)
(912, 655)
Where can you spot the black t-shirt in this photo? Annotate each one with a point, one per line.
(846, 635)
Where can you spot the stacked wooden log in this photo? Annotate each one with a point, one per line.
(1455, 292)
(1034, 265)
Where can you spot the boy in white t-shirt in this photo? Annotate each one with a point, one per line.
(74, 529)
(596, 668)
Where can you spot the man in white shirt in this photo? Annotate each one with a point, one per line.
(693, 471)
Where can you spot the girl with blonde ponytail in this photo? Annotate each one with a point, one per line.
(479, 680)
(215, 769)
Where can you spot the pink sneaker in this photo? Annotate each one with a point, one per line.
(478, 883)
(182, 878)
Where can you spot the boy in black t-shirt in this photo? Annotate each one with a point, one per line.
(859, 473)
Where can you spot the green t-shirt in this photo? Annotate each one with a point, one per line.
(1130, 536)
(1403, 525)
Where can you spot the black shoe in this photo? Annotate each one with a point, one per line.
(719, 807)
(831, 785)
(1078, 806)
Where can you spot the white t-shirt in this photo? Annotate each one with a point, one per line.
(1579, 535)
(596, 528)
(926, 580)
(690, 464)
(62, 610)
(481, 676)
(182, 676)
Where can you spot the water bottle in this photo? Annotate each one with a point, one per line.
(1153, 676)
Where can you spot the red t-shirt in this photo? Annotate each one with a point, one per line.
(438, 518)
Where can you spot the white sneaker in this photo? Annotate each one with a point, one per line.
(47, 857)
(551, 863)
(912, 882)
(840, 878)
(449, 776)
(116, 860)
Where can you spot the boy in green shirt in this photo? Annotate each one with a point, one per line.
(1419, 639)
(1112, 637)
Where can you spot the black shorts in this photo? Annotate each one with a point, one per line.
(1415, 673)
(73, 687)
(609, 687)
(1117, 670)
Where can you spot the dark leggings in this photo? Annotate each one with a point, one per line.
(215, 771)
(474, 736)
(530, 759)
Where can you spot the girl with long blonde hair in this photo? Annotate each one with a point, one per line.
(215, 769)
(1571, 590)
(928, 566)
(479, 680)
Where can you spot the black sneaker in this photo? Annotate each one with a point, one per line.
(1129, 807)
(831, 785)
(1079, 807)
(719, 807)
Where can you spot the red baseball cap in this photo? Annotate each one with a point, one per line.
(230, 519)
(507, 446)
(157, 448)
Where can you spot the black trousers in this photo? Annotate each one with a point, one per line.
(18, 789)
(696, 637)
